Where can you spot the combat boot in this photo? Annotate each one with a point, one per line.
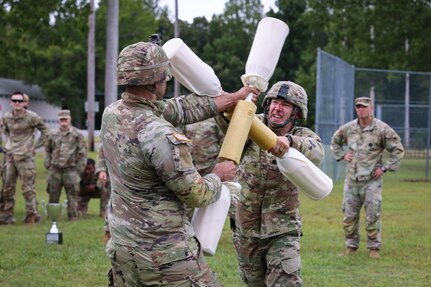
(374, 253)
(7, 220)
(32, 219)
(348, 251)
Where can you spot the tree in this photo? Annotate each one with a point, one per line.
(230, 38)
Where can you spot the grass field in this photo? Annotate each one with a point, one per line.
(25, 259)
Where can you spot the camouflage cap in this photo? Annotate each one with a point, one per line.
(63, 114)
(363, 101)
(142, 64)
(291, 93)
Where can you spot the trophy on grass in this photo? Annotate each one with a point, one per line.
(54, 211)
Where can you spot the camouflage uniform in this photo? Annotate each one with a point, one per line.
(268, 224)
(360, 188)
(65, 159)
(206, 139)
(19, 146)
(106, 188)
(153, 180)
(91, 187)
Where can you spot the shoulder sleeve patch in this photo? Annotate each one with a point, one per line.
(180, 137)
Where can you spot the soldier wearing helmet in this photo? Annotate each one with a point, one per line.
(152, 175)
(268, 224)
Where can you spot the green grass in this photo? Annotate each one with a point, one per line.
(25, 259)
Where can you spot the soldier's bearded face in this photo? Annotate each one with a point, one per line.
(279, 111)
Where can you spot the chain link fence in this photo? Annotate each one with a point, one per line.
(402, 99)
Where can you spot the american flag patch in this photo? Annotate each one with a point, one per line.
(180, 137)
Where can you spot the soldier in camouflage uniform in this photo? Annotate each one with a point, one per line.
(365, 139)
(92, 187)
(268, 224)
(105, 184)
(19, 126)
(206, 139)
(152, 175)
(65, 159)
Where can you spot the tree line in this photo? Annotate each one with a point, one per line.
(45, 42)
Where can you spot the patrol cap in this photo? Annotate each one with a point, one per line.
(63, 114)
(363, 101)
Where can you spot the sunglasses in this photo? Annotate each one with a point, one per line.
(17, 101)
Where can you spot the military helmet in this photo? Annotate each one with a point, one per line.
(142, 64)
(291, 93)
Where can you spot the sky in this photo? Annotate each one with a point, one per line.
(189, 9)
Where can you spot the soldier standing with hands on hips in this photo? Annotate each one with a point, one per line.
(19, 126)
(366, 138)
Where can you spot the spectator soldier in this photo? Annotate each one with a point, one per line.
(365, 139)
(19, 126)
(65, 159)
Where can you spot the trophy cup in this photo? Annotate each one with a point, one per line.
(54, 212)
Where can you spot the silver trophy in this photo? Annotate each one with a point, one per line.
(54, 211)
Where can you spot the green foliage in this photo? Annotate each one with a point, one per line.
(45, 42)
(81, 261)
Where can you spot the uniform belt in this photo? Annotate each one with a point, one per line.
(64, 168)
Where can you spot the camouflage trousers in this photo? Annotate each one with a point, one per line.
(273, 262)
(3, 179)
(369, 195)
(69, 179)
(26, 170)
(102, 192)
(140, 266)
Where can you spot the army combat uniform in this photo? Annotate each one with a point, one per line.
(360, 188)
(91, 187)
(267, 219)
(206, 139)
(19, 147)
(65, 159)
(267, 213)
(153, 180)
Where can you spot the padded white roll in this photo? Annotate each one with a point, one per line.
(208, 221)
(268, 41)
(305, 175)
(190, 70)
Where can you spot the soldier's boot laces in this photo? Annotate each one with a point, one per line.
(374, 253)
(348, 251)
